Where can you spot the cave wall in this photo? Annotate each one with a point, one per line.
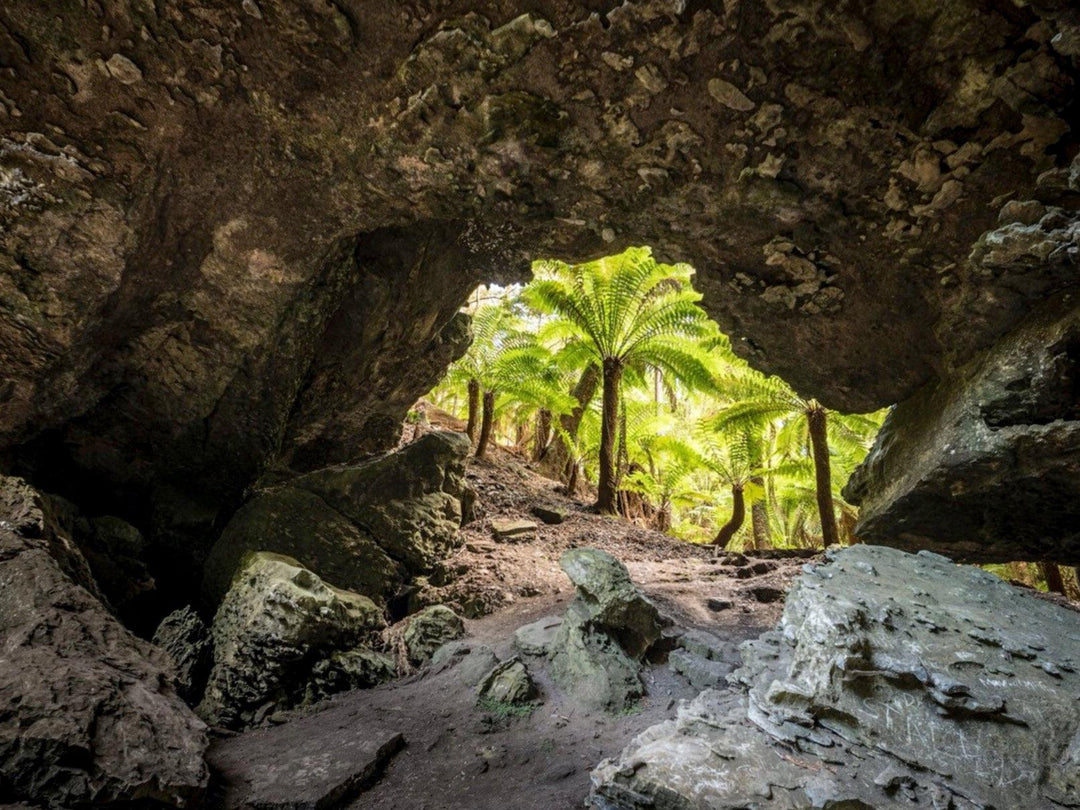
(234, 235)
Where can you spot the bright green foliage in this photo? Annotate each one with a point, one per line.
(631, 313)
(689, 423)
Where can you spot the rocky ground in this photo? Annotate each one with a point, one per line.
(453, 753)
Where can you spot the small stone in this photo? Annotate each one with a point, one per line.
(123, 69)
(551, 515)
(729, 95)
(512, 531)
(508, 682)
(716, 604)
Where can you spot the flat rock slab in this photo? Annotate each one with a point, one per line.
(513, 531)
(303, 765)
(702, 673)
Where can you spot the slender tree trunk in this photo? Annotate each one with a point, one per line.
(474, 409)
(559, 457)
(606, 500)
(759, 518)
(486, 423)
(738, 513)
(1054, 582)
(543, 434)
(819, 441)
(571, 478)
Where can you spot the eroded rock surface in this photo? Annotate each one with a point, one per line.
(88, 714)
(276, 624)
(367, 528)
(186, 638)
(428, 630)
(605, 631)
(893, 680)
(986, 467)
(241, 232)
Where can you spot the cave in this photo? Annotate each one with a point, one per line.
(236, 240)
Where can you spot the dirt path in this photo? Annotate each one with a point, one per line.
(459, 757)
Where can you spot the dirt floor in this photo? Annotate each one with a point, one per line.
(457, 756)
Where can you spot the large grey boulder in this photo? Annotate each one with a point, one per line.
(366, 527)
(186, 638)
(606, 630)
(88, 714)
(986, 467)
(893, 680)
(275, 625)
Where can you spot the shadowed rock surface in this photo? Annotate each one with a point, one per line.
(239, 234)
(186, 638)
(368, 528)
(88, 714)
(893, 680)
(986, 467)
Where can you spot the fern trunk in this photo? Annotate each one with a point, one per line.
(819, 442)
(607, 500)
(738, 514)
(486, 423)
(759, 518)
(474, 409)
(543, 434)
(1052, 574)
(558, 457)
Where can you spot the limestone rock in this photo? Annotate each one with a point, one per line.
(987, 467)
(302, 765)
(508, 682)
(702, 673)
(428, 630)
(606, 629)
(186, 638)
(537, 638)
(611, 601)
(508, 530)
(893, 680)
(277, 621)
(366, 527)
(470, 661)
(348, 670)
(88, 716)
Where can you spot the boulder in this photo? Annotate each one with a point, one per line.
(985, 467)
(428, 630)
(186, 638)
(508, 682)
(366, 527)
(607, 628)
(892, 681)
(509, 530)
(277, 622)
(88, 713)
(348, 670)
(537, 637)
(611, 600)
